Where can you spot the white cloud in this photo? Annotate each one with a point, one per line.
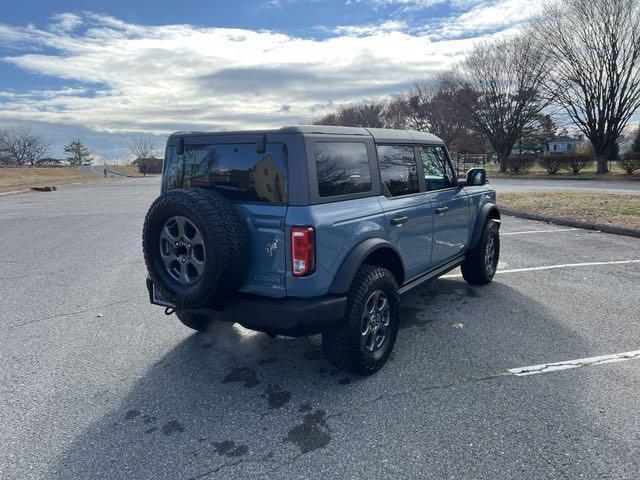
(124, 77)
(368, 29)
(490, 16)
(66, 22)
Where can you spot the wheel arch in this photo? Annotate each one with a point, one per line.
(373, 251)
(487, 212)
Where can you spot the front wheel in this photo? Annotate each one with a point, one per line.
(481, 262)
(363, 342)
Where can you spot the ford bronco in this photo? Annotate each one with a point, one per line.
(314, 229)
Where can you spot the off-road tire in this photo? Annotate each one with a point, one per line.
(193, 320)
(224, 237)
(475, 268)
(342, 344)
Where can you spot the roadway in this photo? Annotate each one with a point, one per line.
(98, 383)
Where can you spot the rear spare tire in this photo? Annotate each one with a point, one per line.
(195, 246)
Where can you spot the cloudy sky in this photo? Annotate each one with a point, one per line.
(107, 71)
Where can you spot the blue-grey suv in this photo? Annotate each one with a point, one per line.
(314, 229)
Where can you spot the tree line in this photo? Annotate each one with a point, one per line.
(20, 147)
(579, 58)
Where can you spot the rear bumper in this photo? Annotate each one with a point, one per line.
(283, 316)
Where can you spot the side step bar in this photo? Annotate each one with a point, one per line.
(432, 275)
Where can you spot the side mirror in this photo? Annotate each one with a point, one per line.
(475, 177)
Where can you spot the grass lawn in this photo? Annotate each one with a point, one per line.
(607, 209)
(22, 178)
(590, 170)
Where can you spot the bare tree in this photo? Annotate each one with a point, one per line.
(38, 147)
(439, 107)
(396, 113)
(594, 50)
(356, 115)
(144, 149)
(20, 146)
(505, 78)
(5, 158)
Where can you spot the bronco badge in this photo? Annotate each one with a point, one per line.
(272, 247)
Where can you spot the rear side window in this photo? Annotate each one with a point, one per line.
(235, 170)
(343, 168)
(398, 169)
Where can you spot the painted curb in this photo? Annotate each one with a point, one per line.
(628, 232)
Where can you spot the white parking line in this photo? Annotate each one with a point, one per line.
(540, 231)
(567, 265)
(581, 362)
(553, 267)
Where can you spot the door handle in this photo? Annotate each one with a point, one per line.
(399, 220)
(441, 210)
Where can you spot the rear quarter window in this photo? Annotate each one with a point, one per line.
(343, 168)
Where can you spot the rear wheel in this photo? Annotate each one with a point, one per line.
(481, 262)
(364, 340)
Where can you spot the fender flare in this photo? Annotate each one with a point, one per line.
(354, 259)
(487, 210)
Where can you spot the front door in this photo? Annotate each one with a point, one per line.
(450, 205)
(407, 209)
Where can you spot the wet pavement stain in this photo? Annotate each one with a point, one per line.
(313, 355)
(172, 427)
(244, 375)
(276, 397)
(305, 407)
(148, 418)
(311, 434)
(229, 448)
(344, 381)
(131, 414)
(268, 360)
(206, 345)
(151, 430)
(410, 317)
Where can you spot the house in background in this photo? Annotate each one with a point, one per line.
(148, 165)
(565, 144)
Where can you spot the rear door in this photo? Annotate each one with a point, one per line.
(449, 202)
(257, 186)
(406, 207)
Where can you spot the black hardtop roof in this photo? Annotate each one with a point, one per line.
(380, 135)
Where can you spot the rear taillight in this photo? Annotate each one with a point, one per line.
(303, 250)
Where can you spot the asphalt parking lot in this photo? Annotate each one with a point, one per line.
(97, 383)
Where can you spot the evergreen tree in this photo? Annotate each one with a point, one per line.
(77, 153)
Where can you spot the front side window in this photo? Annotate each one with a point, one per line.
(398, 169)
(235, 170)
(343, 168)
(438, 173)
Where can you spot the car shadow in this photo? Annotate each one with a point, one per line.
(231, 398)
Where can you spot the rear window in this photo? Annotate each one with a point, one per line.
(343, 168)
(235, 170)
